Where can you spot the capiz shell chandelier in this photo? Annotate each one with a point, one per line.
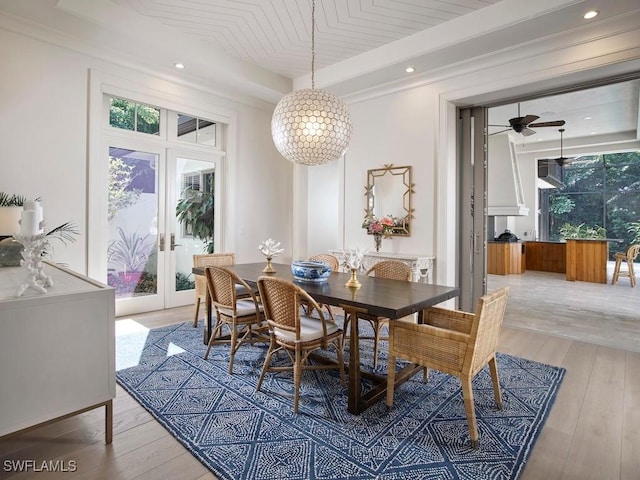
(311, 127)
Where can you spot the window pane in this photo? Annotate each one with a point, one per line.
(575, 209)
(585, 174)
(206, 133)
(147, 119)
(623, 209)
(196, 130)
(187, 128)
(620, 159)
(132, 215)
(122, 113)
(134, 116)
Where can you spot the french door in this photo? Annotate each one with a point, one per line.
(472, 169)
(148, 250)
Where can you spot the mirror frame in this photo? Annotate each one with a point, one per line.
(405, 174)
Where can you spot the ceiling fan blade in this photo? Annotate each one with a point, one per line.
(565, 160)
(557, 123)
(527, 132)
(503, 126)
(500, 131)
(527, 119)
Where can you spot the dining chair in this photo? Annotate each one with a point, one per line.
(211, 260)
(391, 270)
(454, 342)
(334, 263)
(243, 317)
(627, 257)
(327, 258)
(295, 333)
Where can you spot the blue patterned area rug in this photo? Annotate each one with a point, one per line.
(239, 433)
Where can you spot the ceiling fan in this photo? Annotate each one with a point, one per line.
(525, 124)
(562, 160)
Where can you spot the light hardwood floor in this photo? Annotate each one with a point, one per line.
(593, 431)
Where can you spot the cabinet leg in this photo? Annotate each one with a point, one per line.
(108, 422)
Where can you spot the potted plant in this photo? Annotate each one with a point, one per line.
(582, 231)
(195, 211)
(10, 211)
(130, 254)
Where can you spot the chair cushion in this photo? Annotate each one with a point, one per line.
(241, 290)
(310, 329)
(244, 308)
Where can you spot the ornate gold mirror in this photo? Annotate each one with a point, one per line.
(388, 193)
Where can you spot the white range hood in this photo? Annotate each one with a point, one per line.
(504, 188)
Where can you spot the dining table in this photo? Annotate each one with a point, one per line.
(393, 299)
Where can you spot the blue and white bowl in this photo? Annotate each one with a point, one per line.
(310, 271)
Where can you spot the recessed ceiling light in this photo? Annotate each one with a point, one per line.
(592, 133)
(409, 69)
(590, 14)
(179, 65)
(587, 118)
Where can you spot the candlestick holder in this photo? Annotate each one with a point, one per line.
(32, 265)
(269, 268)
(270, 249)
(353, 281)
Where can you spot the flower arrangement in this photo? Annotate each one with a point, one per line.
(379, 226)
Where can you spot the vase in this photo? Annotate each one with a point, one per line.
(377, 238)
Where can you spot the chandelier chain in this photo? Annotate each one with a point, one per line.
(313, 42)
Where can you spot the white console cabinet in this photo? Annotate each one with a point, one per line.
(421, 265)
(57, 350)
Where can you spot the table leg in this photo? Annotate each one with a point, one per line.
(359, 401)
(354, 400)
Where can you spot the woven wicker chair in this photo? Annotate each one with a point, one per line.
(453, 342)
(627, 257)
(391, 270)
(334, 263)
(211, 260)
(243, 318)
(298, 335)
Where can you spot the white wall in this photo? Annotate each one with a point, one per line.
(44, 147)
(393, 129)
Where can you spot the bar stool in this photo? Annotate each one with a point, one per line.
(629, 256)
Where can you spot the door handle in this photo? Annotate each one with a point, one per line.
(173, 242)
(161, 242)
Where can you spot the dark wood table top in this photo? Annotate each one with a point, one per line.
(378, 296)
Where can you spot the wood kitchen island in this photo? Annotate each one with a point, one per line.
(505, 258)
(583, 260)
(547, 256)
(587, 260)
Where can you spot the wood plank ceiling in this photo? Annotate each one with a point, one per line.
(276, 34)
